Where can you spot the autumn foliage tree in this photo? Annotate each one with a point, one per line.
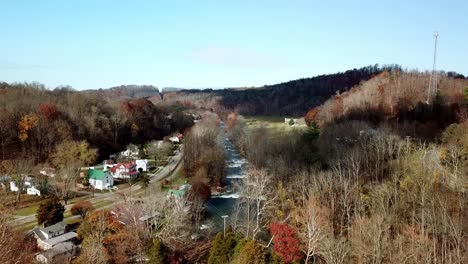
(82, 208)
(14, 246)
(231, 120)
(73, 151)
(35, 119)
(48, 111)
(286, 244)
(310, 116)
(26, 124)
(103, 227)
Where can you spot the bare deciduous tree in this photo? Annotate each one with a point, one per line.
(312, 228)
(19, 169)
(255, 199)
(65, 181)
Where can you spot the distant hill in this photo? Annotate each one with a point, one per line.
(391, 94)
(292, 98)
(170, 89)
(125, 92)
(398, 98)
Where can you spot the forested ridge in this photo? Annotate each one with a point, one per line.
(35, 119)
(292, 98)
(399, 98)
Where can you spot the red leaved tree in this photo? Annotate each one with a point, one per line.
(286, 244)
(49, 111)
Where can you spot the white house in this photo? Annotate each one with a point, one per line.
(100, 180)
(131, 152)
(33, 191)
(52, 235)
(142, 164)
(29, 185)
(124, 170)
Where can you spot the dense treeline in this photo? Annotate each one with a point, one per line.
(298, 96)
(366, 196)
(357, 191)
(34, 120)
(203, 151)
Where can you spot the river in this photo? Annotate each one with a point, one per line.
(223, 203)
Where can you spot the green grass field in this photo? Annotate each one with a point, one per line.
(177, 178)
(274, 124)
(26, 210)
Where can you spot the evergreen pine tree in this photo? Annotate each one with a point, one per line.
(158, 253)
(222, 248)
(252, 253)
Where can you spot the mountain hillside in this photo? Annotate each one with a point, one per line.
(399, 96)
(289, 98)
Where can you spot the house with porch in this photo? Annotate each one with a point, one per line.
(124, 170)
(100, 180)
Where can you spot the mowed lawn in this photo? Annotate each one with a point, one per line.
(26, 210)
(274, 124)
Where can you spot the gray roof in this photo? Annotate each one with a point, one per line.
(5, 178)
(59, 239)
(61, 248)
(49, 230)
(55, 228)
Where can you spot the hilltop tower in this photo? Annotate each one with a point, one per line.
(432, 90)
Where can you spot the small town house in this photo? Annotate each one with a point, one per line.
(52, 236)
(124, 170)
(100, 180)
(29, 186)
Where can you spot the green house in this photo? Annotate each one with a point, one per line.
(100, 179)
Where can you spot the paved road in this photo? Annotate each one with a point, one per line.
(110, 198)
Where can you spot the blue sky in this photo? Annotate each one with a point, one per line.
(194, 44)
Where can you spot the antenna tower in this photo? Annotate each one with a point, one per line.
(432, 91)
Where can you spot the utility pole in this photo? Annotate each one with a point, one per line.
(224, 224)
(432, 91)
